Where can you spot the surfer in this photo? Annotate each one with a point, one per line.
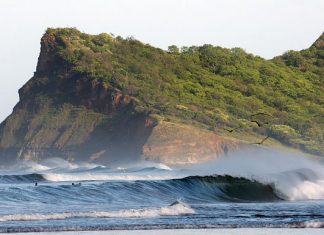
(36, 184)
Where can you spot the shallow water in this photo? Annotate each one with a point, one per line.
(154, 196)
(240, 231)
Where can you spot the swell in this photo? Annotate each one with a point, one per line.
(24, 178)
(127, 185)
(192, 189)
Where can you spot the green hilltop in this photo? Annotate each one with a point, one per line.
(104, 99)
(208, 85)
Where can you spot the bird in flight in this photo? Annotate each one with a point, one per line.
(231, 130)
(259, 122)
(262, 141)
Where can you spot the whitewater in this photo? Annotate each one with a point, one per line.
(247, 189)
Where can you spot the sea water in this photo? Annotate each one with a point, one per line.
(243, 191)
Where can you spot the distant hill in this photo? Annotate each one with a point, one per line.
(104, 98)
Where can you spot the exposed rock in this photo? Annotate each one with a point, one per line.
(177, 144)
(66, 112)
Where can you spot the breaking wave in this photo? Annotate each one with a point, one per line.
(297, 185)
(250, 177)
(177, 208)
(221, 194)
(301, 184)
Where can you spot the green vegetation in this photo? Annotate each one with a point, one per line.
(208, 85)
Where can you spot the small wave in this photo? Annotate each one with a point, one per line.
(174, 209)
(163, 167)
(52, 165)
(75, 228)
(145, 167)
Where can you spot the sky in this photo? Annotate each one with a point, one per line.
(263, 27)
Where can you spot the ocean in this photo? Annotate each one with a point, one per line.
(243, 192)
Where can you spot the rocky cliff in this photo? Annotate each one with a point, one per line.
(66, 114)
(106, 100)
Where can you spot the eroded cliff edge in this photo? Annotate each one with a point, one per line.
(63, 113)
(107, 99)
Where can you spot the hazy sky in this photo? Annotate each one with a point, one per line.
(263, 27)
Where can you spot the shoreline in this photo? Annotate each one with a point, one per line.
(228, 231)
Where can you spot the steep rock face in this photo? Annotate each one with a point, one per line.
(61, 114)
(177, 144)
(107, 99)
(65, 114)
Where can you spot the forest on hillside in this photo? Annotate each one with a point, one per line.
(210, 86)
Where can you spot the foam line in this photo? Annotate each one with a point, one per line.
(175, 209)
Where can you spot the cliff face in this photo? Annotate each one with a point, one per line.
(65, 114)
(62, 114)
(178, 144)
(109, 100)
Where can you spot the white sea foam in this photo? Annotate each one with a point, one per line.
(314, 224)
(48, 165)
(294, 176)
(299, 184)
(175, 209)
(69, 172)
(104, 177)
(309, 190)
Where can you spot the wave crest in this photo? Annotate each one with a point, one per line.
(175, 209)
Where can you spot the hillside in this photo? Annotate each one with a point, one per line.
(99, 97)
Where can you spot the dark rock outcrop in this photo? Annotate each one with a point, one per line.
(109, 100)
(62, 113)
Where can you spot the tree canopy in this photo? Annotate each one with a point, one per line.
(210, 85)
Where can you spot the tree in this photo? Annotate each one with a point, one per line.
(173, 49)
